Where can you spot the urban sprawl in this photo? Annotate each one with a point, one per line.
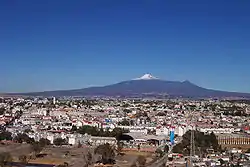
(81, 132)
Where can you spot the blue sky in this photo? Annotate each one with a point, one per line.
(60, 44)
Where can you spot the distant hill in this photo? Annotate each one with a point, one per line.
(146, 85)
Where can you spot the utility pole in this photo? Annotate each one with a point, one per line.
(192, 141)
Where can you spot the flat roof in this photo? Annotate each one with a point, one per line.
(138, 135)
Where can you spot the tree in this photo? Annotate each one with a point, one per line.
(94, 131)
(203, 142)
(59, 141)
(119, 148)
(37, 148)
(2, 110)
(178, 148)
(221, 161)
(44, 142)
(79, 144)
(27, 130)
(89, 130)
(160, 114)
(124, 122)
(107, 153)
(127, 110)
(141, 161)
(214, 141)
(138, 147)
(166, 148)
(5, 157)
(159, 152)
(74, 128)
(22, 137)
(88, 159)
(117, 132)
(5, 135)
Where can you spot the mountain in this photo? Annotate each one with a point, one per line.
(147, 85)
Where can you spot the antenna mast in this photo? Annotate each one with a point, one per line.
(192, 139)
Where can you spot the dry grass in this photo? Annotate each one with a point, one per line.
(48, 160)
(137, 153)
(130, 157)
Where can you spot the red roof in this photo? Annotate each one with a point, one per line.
(246, 128)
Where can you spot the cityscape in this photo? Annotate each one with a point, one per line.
(128, 83)
(125, 131)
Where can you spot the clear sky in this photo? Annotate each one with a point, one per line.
(64, 44)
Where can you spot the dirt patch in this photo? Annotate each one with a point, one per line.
(130, 157)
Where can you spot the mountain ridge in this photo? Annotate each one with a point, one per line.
(141, 87)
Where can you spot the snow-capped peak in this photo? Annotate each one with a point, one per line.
(147, 77)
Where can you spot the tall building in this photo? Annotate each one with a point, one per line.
(172, 136)
(54, 100)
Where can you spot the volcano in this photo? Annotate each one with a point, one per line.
(147, 85)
